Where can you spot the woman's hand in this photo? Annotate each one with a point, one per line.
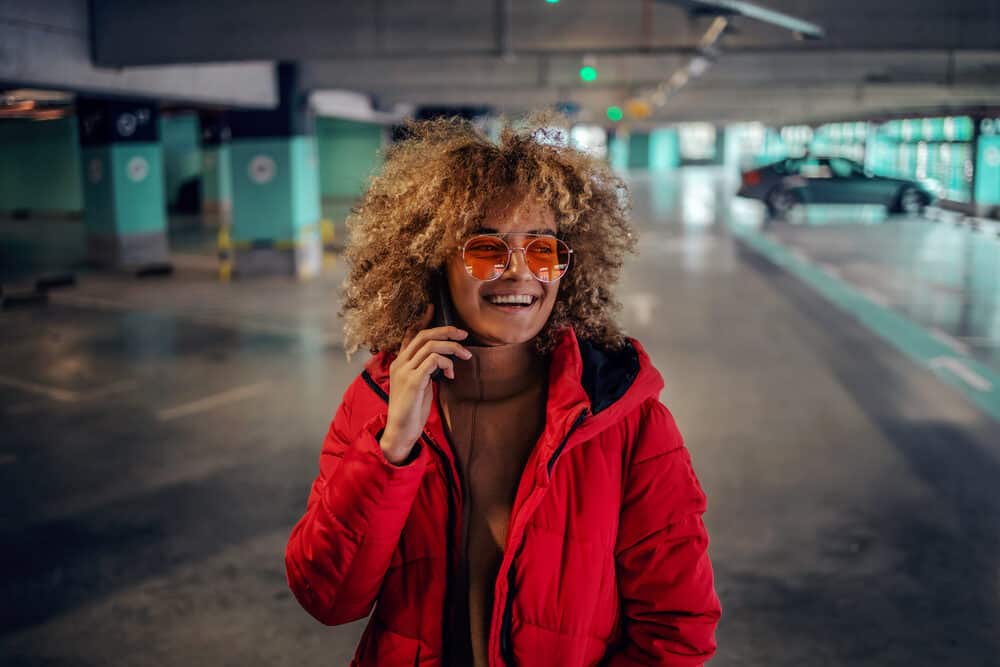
(410, 393)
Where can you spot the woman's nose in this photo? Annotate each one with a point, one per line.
(518, 267)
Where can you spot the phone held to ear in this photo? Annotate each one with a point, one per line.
(443, 313)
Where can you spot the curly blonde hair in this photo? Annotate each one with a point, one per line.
(435, 189)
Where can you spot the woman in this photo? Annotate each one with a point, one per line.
(536, 505)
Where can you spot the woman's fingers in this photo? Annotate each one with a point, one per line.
(437, 333)
(440, 347)
(435, 361)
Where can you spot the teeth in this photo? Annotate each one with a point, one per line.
(518, 299)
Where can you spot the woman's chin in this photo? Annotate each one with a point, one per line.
(502, 336)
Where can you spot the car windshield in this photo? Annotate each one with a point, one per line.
(845, 168)
(812, 168)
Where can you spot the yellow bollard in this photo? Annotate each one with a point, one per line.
(225, 245)
(327, 234)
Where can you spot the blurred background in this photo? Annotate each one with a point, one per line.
(816, 185)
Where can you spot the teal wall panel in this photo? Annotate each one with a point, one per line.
(664, 149)
(40, 165)
(138, 188)
(638, 150)
(618, 153)
(262, 189)
(182, 161)
(98, 189)
(988, 170)
(123, 189)
(348, 155)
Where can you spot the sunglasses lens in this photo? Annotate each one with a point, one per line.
(485, 257)
(547, 258)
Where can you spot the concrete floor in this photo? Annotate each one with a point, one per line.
(943, 276)
(160, 436)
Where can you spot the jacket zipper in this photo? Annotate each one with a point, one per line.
(506, 650)
(450, 537)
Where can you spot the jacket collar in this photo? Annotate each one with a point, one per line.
(608, 384)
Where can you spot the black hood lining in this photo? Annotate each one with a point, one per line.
(607, 374)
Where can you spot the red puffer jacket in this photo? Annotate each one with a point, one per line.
(606, 557)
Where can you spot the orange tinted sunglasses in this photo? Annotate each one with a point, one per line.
(487, 256)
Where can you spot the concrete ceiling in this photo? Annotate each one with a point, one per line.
(877, 57)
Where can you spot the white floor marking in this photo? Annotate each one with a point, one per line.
(55, 393)
(212, 402)
(874, 296)
(952, 342)
(963, 372)
(62, 395)
(830, 270)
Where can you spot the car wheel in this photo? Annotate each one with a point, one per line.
(911, 201)
(781, 202)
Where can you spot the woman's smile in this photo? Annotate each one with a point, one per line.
(514, 303)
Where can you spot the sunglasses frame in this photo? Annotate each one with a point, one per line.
(510, 251)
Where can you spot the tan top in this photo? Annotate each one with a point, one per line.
(494, 412)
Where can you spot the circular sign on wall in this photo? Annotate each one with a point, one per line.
(992, 156)
(137, 168)
(127, 124)
(95, 170)
(261, 169)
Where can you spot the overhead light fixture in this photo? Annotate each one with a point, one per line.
(588, 69)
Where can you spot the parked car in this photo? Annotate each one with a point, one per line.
(829, 180)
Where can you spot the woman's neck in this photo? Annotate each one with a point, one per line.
(496, 371)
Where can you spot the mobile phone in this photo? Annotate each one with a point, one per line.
(444, 314)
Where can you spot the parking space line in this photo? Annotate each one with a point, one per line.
(952, 342)
(66, 395)
(212, 402)
(963, 372)
(55, 393)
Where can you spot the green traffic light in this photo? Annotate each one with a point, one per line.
(615, 114)
(588, 73)
(552, 2)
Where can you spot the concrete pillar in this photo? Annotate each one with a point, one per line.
(216, 174)
(664, 149)
(180, 142)
(986, 173)
(638, 150)
(124, 205)
(618, 150)
(275, 181)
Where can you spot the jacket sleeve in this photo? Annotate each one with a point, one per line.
(669, 605)
(339, 551)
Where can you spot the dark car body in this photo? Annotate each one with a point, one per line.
(829, 180)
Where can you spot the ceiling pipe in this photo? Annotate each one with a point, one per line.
(800, 28)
